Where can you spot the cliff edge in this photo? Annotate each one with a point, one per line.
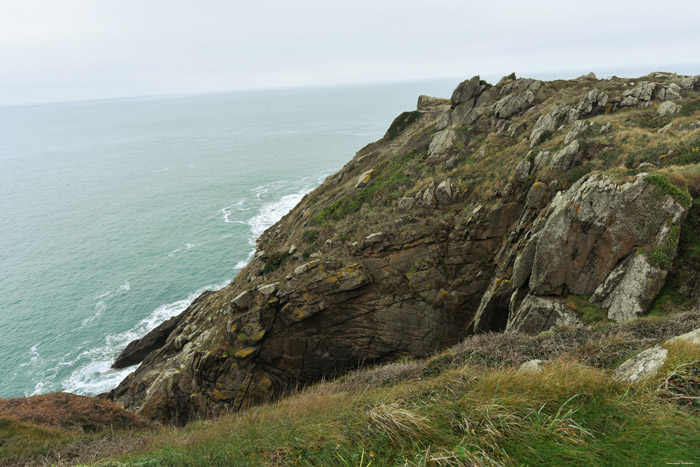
(513, 207)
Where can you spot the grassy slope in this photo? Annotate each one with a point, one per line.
(469, 405)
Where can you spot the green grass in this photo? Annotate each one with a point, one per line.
(274, 260)
(664, 185)
(402, 122)
(567, 415)
(22, 440)
(587, 312)
(389, 183)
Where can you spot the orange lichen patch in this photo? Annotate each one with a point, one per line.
(65, 410)
(243, 353)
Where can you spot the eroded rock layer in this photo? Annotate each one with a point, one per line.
(505, 208)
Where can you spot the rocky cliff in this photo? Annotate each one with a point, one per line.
(512, 207)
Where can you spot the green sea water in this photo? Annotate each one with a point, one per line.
(115, 215)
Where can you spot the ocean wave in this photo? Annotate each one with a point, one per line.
(95, 375)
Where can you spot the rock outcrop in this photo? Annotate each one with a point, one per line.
(445, 227)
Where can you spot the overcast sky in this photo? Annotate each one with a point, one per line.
(58, 50)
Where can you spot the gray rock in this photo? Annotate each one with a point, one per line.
(642, 366)
(441, 142)
(446, 192)
(307, 267)
(269, 289)
(605, 128)
(591, 227)
(691, 82)
(465, 114)
(630, 288)
(520, 84)
(536, 196)
(431, 103)
(375, 238)
(576, 128)
(406, 203)
(512, 104)
(646, 166)
(673, 91)
(444, 121)
(532, 366)
(542, 159)
(665, 128)
(668, 108)
(692, 337)
(522, 171)
(466, 91)
(566, 158)
(644, 92)
(548, 122)
(590, 104)
(427, 196)
(538, 314)
(244, 299)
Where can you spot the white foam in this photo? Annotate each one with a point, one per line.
(189, 246)
(125, 287)
(99, 308)
(172, 253)
(95, 375)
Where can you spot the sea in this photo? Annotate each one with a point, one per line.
(116, 214)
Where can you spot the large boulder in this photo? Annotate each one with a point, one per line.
(512, 104)
(467, 91)
(536, 314)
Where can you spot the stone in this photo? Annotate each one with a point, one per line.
(444, 121)
(465, 115)
(446, 192)
(630, 288)
(375, 238)
(406, 203)
(605, 128)
(427, 196)
(642, 366)
(668, 108)
(690, 82)
(593, 102)
(466, 91)
(665, 128)
(576, 129)
(426, 103)
(591, 227)
(538, 314)
(364, 179)
(299, 270)
(532, 366)
(519, 84)
(243, 300)
(644, 92)
(136, 351)
(692, 338)
(548, 122)
(566, 158)
(269, 289)
(522, 171)
(441, 142)
(646, 167)
(536, 196)
(512, 104)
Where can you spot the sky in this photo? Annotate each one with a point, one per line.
(63, 50)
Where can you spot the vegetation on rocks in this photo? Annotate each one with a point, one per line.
(564, 213)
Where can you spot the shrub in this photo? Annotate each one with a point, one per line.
(309, 236)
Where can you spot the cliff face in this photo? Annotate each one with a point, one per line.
(516, 207)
